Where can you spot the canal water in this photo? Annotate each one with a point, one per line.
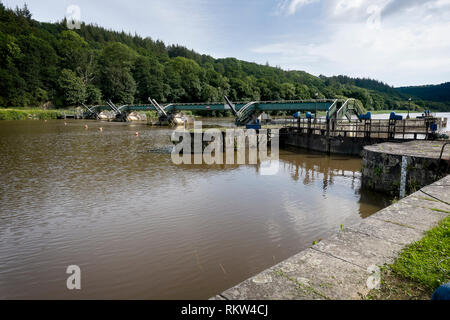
(140, 227)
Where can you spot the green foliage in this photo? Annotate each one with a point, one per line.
(151, 115)
(45, 114)
(71, 48)
(72, 88)
(149, 75)
(210, 94)
(427, 261)
(115, 79)
(378, 171)
(440, 210)
(46, 62)
(93, 95)
(438, 93)
(23, 114)
(13, 115)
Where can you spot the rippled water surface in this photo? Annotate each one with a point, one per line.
(141, 227)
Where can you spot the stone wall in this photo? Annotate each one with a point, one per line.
(322, 143)
(381, 171)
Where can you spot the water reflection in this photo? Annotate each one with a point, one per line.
(310, 168)
(140, 226)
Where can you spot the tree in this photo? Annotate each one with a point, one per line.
(127, 68)
(72, 88)
(288, 91)
(76, 55)
(149, 76)
(93, 94)
(71, 48)
(115, 79)
(187, 75)
(210, 94)
(24, 12)
(302, 92)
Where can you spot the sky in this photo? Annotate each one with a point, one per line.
(400, 42)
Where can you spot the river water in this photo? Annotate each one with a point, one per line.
(141, 227)
(414, 115)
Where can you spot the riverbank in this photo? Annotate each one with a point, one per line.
(41, 114)
(347, 264)
(26, 114)
(420, 268)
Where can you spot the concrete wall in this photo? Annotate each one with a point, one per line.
(382, 171)
(321, 143)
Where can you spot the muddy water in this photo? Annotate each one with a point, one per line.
(141, 227)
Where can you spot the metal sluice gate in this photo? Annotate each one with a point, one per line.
(244, 112)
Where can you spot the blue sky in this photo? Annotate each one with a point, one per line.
(401, 42)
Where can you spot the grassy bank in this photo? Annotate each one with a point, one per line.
(151, 115)
(24, 114)
(420, 268)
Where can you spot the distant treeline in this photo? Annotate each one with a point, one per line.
(45, 64)
(435, 96)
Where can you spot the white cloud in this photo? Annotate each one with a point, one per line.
(175, 21)
(412, 48)
(289, 7)
(343, 6)
(397, 41)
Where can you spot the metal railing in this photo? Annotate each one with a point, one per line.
(375, 128)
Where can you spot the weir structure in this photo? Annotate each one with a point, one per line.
(345, 129)
(350, 136)
(244, 112)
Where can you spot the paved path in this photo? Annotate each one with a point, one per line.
(337, 268)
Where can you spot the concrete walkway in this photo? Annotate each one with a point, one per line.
(339, 267)
(416, 148)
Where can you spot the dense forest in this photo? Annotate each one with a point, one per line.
(48, 65)
(439, 92)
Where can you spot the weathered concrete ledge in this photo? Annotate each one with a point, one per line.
(322, 143)
(382, 165)
(339, 267)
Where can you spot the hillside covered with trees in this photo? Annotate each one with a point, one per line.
(436, 96)
(46, 64)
